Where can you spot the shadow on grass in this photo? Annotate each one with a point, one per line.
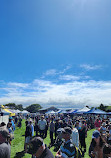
(19, 154)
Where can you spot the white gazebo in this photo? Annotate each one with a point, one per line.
(81, 111)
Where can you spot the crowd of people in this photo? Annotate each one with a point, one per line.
(67, 135)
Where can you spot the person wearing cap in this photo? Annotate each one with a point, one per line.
(96, 146)
(38, 149)
(11, 120)
(5, 149)
(67, 149)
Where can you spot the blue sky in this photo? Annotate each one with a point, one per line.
(55, 52)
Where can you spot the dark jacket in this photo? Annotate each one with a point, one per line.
(28, 131)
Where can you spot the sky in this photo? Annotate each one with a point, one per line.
(55, 52)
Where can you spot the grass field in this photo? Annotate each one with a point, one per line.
(17, 145)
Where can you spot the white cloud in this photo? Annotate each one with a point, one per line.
(50, 72)
(90, 67)
(71, 94)
(53, 72)
(15, 84)
(69, 77)
(67, 68)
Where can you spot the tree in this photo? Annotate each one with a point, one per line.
(102, 107)
(33, 108)
(11, 105)
(19, 107)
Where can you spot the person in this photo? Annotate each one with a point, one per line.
(36, 128)
(82, 136)
(16, 119)
(56, 127)
(38, 149)
(107, 151)
(52, 129)
(2, 124)
(96, 146)
(32, 128)
(97, 123)
(46, 129)
(28, 135)
(42, 126)
(67, 149)
(9, 127)
(103, 129)
(109, 135)
(13, 125)
(75, 137)
(20, 122)
(5, 149)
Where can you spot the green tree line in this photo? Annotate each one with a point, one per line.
(35, 107)
(31, 108)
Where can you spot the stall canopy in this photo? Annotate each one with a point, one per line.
(90, 111)
(7, 110)
(15, 111)
(74, 111)
(24, 112)
(62, 112)
(96, 111)
(81, 111)
(50, 112)
(71, 111)
(4, 112)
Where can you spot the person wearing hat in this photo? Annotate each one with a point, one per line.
(96, 146)
(5, 149)
(11, 120)
(38, 149)
(67, 149)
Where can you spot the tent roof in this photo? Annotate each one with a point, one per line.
(8, 111)
(24, 112)
(74, 111)
(50, 112)
(5, 112)
(62, 112)
(96, 111)
(69, 112)
(85, 109)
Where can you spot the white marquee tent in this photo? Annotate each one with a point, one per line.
(81, 111)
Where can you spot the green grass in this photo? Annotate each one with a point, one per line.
(17, 145)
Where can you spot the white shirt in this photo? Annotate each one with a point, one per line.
(75, 137)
